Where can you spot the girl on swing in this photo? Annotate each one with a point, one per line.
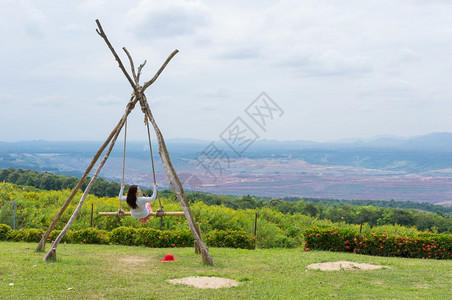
(139, 206)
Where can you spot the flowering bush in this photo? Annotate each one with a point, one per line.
(423, 245)
(230, 239)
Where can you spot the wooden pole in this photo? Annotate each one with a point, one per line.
(51, 255)
(255, 225)
(42, 243)
(92, 213)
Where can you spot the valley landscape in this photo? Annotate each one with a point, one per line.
(417, 169)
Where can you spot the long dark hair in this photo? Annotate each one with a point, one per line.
(132, 196)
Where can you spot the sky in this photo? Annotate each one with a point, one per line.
(329, 70)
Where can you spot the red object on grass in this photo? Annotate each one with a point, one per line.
(169, 257)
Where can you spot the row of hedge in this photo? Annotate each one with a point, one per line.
(425, 245)
(133, 237)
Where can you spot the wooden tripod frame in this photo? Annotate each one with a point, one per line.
(137, 96)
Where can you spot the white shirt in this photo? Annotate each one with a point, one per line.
(141, 211)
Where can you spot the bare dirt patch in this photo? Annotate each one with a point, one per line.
(343, 265)
(205, 282)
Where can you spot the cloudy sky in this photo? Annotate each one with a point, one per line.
(336, 69)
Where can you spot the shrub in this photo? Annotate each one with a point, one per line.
(269, 235)
(5, 230)
(437, 246)
(146, 237)
(123, 236)
(26, 235)
(423, 245)
(230, 239)
(54, 234)
(151, 237)
(89, 236)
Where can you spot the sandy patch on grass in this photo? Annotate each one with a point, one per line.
(205, 282)
(343, 265)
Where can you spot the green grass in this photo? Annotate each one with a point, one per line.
(122, 272)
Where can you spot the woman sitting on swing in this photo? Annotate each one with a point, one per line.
(139, 206)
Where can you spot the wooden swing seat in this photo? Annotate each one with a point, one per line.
(121, 213)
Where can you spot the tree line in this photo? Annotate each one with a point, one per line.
(374, 216)
(51, 182)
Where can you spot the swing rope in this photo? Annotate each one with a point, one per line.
(152, 159)
(124, 153)
(160, 212)
(120, 211)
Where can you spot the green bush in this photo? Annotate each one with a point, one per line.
(123, 236)
(269, 235)
(151, 237)
(230, 239)
(54, 234)
(29, 235)
(88, 236)
(423, 245)
(438, 246)
(146, 237)
(5, 230)
(174, 238)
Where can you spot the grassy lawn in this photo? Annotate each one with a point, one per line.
(122, 272)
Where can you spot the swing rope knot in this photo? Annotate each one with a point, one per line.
(160, 212)
(130, 106)
(121, 213)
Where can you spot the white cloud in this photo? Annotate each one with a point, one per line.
(23, 18)
(167, 19)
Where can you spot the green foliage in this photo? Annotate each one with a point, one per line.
(89, 236)
(26, 235)
(48, 181)
(376, 213)
(5, 231)
(123, 236)
(421, 245)
(36, 209)
(54, 234)
(230, 239)
(151, 237)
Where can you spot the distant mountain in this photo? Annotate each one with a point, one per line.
(439, 142)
